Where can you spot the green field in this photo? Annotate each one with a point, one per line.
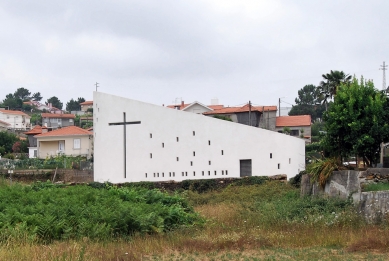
(240, 222)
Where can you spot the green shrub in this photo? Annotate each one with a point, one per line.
(45, 212)
(296, 180)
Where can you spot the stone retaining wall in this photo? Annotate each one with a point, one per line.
(63, 175)
(349, 183)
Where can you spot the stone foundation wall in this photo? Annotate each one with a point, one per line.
(349, 183)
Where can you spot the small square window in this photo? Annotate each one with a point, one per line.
(222, 152)
(170, 174)
(191, 163)
(271, 155)
(174, 174)
(186, 173)
(209, 142)
(209, 173)
(279, 165)
(226, 172)
(177, 139)
(209, 162)
(182, 173)
(154, 175)
(194, 133)
(290, 160)
(146, 175)
(177, 158)
(194, 173)
(151, 135)
(194, 153)
(151, 155)
(163, 145)
(202, 173)
(222, 172)
(158, 175)
(215, 172)
(163, 174)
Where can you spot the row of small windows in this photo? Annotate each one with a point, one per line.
(177, 139)
(185, 173)
(194, 154)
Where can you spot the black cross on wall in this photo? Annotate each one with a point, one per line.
(124, 123)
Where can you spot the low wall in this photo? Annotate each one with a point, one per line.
(349, 183)
(62, 175)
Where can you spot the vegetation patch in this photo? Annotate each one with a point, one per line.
(44, 212)
(376, 186)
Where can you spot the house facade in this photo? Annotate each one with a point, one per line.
(299, 126)
(54, 121)
(32, 141)
(70, 141)
(165, 144)
(257, 116)
(86, 105)
(16, 119)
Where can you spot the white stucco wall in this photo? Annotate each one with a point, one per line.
(158, 153)
(17, 121)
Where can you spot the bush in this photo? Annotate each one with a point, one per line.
(47, 212)
(296, 180)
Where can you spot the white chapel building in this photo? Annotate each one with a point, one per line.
(161, 144)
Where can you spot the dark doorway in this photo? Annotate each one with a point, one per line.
(245, 168)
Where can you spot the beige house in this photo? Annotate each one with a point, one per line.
(70, 141)
(86, 105)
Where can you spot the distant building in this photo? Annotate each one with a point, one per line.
(86, 105)
(55, 121)
(299, 125)
(15, 119)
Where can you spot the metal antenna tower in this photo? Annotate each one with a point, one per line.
(384, 68)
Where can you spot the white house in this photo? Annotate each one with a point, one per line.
(15, 119)
(175, 145)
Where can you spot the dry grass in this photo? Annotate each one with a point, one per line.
(231, 233)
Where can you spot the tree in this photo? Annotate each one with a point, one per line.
(308, 102)
(357, 122)
(36, 96)
(23, 94)
(7, 140)
(55, 102)
(329, 87)
(74, 105)
(12, 102)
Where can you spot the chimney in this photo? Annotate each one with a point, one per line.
(44, 129)
(182, 103)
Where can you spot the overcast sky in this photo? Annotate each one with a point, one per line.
(164, 51)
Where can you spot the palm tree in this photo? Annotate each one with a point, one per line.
(332, 81)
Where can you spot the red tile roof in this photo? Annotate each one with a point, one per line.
(216, 107)
(292, 121)
(3, 122)
(86, 103)
(55, 115)
(66, 131)
(180, 106)
(245, 108)
(13, 112)
(36, 130)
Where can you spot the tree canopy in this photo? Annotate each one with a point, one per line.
(74, 105)
(55, 102)
(329, 87)
(308, 102)
(357, 122)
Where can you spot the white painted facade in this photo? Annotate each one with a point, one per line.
(197, 107)
(188, 145)
(15, 119)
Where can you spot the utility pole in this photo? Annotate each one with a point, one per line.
(384, 68)
(97, 85)
(279, 107)
(249, 113)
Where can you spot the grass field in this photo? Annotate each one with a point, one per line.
(258, 222)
